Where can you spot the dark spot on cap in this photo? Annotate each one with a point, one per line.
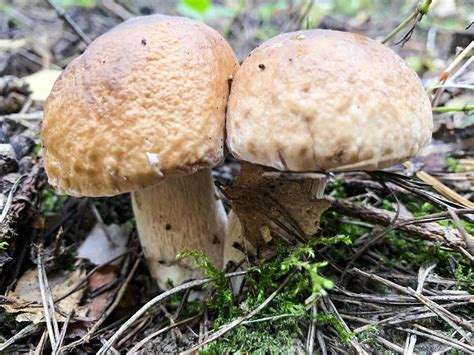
(261, 66)
(144, 41)
(168, 226)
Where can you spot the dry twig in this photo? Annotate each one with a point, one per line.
(75, 27)
(153, 302)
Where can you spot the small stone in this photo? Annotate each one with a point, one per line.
(23, 145)
(15, 92)
(25, 164)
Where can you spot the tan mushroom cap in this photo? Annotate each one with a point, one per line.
(146, 100)
(323, 100)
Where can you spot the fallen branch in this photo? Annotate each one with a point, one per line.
(430, 231)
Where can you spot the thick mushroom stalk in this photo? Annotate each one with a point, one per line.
(272, 205)
(180, 213)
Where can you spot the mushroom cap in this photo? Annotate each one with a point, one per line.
(146, 100)
(322, 100)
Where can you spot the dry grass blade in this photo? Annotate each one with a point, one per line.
(412, 314)
(389, 345)
(441, 338)
(118, 297)
(422, 275)
(410, 344)
(447, 72)
(321, 342)
(42, 342)
(443, 189)
(353, 340)
(9, 201)
(48, 305)
(400, 299)
(468, 239)
(312, 330)
(153, 302)
(63, 332)
(453, 320)
(145, 340)
(25, 332)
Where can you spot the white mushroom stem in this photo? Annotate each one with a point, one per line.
(180, 213)
(236, 248)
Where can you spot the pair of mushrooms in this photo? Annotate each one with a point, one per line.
(145, 110)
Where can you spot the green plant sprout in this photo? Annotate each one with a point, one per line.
(444, 109)
(415, 17)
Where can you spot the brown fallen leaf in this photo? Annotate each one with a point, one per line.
(41, 83)
(103, 277)
(26, 298)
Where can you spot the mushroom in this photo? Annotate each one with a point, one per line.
(142, 110)
(310, 102)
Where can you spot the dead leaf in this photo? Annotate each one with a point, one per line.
(97, 247)
(101, 278)
(27, 296)
(41, 83)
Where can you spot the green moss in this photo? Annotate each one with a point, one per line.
(270, 336)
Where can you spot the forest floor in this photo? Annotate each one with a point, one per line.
(390, 271)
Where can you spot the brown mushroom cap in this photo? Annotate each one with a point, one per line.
(323, 100)
(146, 100)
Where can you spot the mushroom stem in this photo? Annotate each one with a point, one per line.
(270, 204)
(180, 213)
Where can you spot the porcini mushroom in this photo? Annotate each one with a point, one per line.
(319, 101)
(142, 111)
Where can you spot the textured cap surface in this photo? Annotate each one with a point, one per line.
(146, 100)
(322, 100)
